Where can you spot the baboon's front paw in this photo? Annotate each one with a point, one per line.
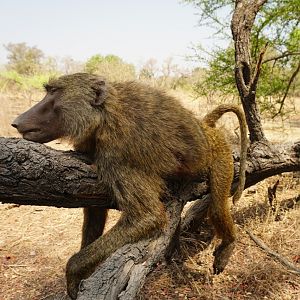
(72, 288)
(73, 278)
(222, 255)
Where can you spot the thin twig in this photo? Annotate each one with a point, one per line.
(287, 90)
(274, 254)
(258, 69)
(17, 266)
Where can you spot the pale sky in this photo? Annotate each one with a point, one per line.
(134, 30)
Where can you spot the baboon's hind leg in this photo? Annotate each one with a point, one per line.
(221, 175)
(94, 219)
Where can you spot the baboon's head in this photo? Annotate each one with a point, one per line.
(70, 109)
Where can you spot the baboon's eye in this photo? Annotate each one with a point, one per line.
(51, 89)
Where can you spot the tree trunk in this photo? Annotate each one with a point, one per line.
(34, 174)
(246, 78)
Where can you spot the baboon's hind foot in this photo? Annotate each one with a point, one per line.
(222, 255)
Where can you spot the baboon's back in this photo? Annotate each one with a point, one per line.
(161, 134)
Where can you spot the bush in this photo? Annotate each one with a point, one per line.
(12, 79)
(111, 67)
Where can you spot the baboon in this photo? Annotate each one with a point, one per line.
(137, 137)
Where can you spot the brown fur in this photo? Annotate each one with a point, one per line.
(137, 137)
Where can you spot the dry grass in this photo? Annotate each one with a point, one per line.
(251, 273)
(35, 243)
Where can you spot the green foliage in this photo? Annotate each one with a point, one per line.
(9, 79)
(23, 59)
(292, 43)
(111, 67)
(277, 26)
(92, 64)
(219, 76)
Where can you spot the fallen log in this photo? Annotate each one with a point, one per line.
(34, 174)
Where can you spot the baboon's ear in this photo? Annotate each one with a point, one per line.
(100, 93)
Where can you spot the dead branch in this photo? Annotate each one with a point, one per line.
(274, 254)
(34, 174)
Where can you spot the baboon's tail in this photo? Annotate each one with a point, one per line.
(211, 118)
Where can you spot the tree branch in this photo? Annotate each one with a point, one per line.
(34, 174)
(284, 54)
(287, 89)
(274, 254)
(257, 70)
(123, 274)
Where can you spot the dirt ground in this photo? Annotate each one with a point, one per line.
(36, 242)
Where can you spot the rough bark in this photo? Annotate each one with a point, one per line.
(35, 174)
(123, 274)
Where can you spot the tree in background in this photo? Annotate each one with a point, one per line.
(23, 59)
(27, 68)
(149, 70)
(111, 67)
(68, 65)
(169, 75)
(274, 51)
